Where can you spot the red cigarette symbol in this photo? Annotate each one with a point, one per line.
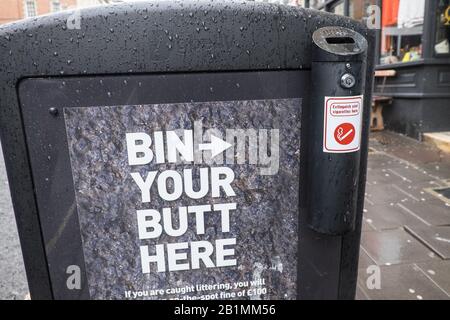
(345, 133)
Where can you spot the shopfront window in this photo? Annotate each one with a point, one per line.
(402, 30)
(442, 46)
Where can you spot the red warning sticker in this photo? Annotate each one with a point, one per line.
(345, 134)
(342, 124)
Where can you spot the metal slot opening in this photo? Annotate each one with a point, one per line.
(340, 40)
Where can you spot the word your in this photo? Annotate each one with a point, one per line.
(171, 184)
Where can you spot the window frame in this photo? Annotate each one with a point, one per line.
(55, 3)
(434, 28)
(26, 8)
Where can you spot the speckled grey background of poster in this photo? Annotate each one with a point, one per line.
(264, 224)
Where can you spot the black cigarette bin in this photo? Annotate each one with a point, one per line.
(187, 150)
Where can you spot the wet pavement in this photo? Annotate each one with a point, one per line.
(406, 228)
(13, 283)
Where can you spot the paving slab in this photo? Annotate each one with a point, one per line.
(385, 194)
(418, 191)
(365, 260)
(381, 160)
(13, 283)
(435, 238)
(389, 216)
(410, 174)
(401, 282)
(392, 247)
(384, 162)
(438, 169)
(432, 212)
(439, 272)
(361, 294)
(401, 175)
(378, 176)
(367, 226)
(405, 148)
(401, 172)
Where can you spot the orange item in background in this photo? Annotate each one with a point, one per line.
(390, 12)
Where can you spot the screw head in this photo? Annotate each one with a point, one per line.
(53, 111)
(348, 81)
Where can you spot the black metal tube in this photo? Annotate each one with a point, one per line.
(338, 54)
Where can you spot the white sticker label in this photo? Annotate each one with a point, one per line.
(342, 124)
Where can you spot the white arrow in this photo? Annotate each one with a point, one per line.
(216, 146)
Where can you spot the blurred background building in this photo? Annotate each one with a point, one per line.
(412, 82)
(413, 72)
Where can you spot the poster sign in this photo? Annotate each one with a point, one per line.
(188, 200)
(342, 124)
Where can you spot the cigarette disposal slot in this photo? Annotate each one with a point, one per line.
(340, 40)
